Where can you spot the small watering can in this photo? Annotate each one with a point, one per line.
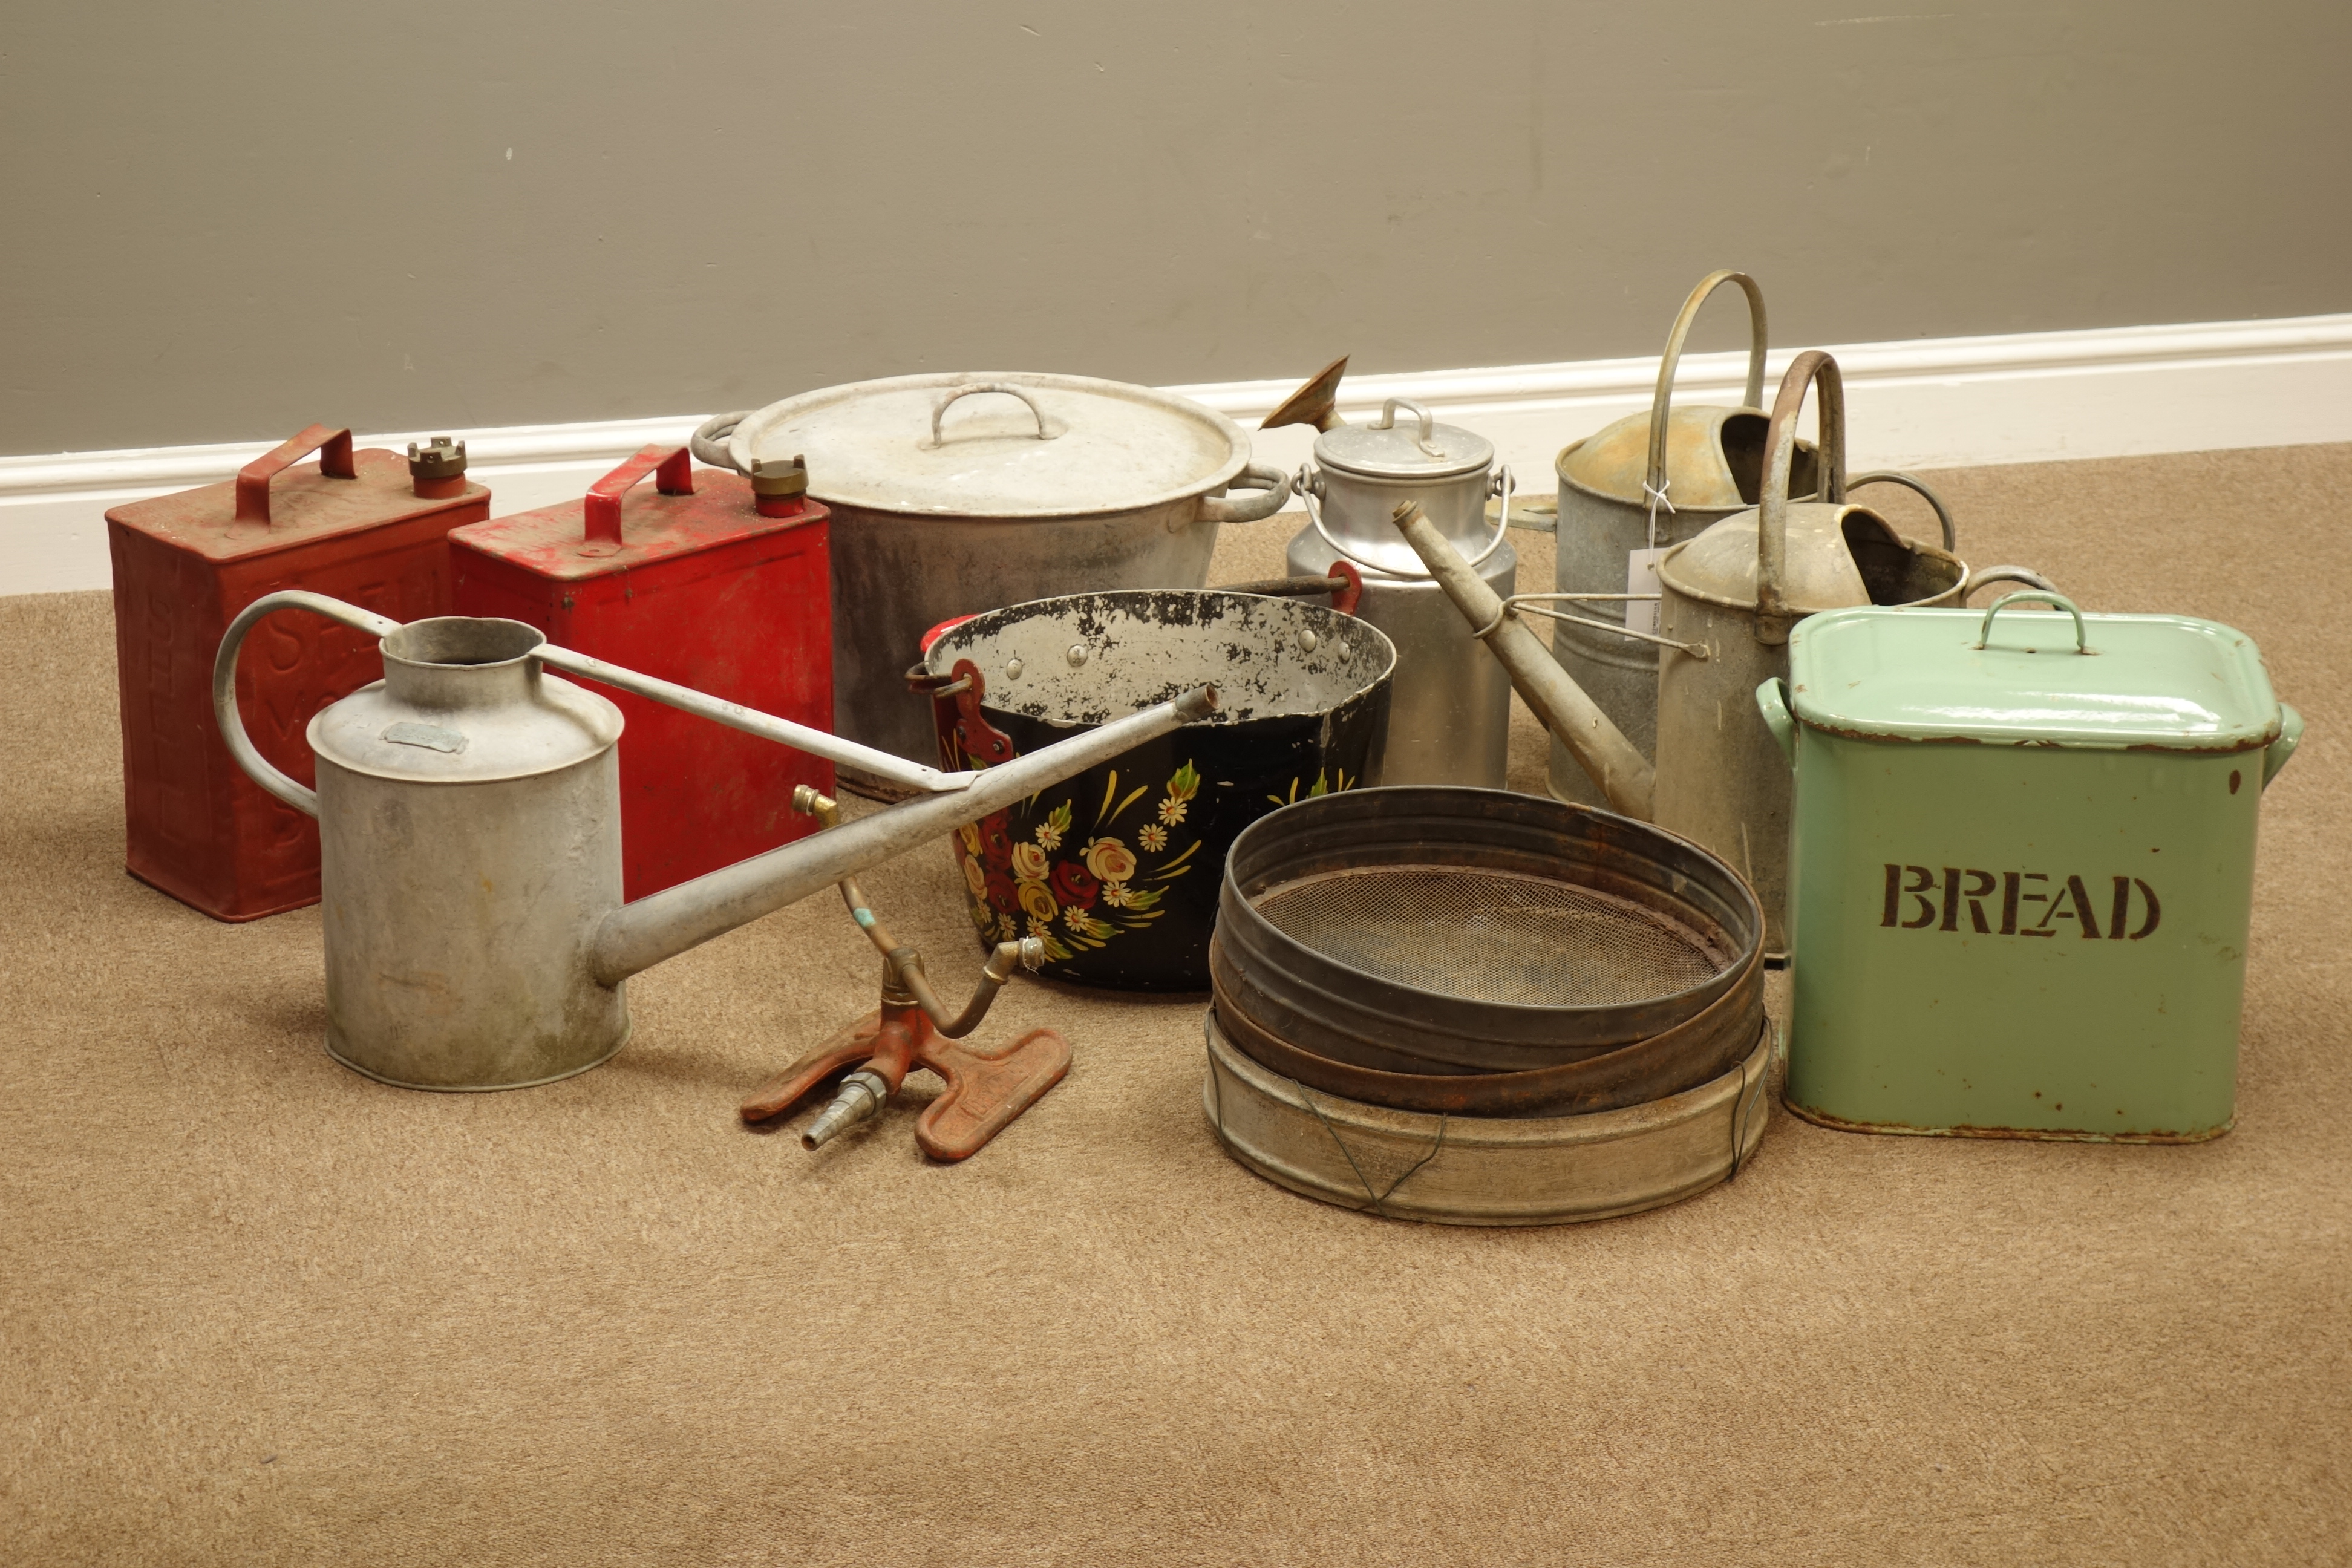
(1450, 714)
(470, 819)
(1728, 599)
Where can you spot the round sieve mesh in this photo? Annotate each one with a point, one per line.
(1492, 936)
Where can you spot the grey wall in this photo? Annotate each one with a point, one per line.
(225, 220)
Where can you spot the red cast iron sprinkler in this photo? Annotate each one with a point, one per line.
(986, 1089)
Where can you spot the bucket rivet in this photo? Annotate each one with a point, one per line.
(1306, 639)
(1078, 654)
(1343, 650)
(1012, 669)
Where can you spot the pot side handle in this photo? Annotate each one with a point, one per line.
(1772, 700)
(710, 440)
(225, 712)
(1273, 493)
(2290, 736)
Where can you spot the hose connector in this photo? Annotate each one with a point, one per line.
(861, 1095)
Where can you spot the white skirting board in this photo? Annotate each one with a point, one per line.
(1925, 403)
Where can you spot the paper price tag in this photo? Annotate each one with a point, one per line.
(1642, 577)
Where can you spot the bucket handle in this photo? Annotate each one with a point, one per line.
(1912, 482)
(2037, 596)
(1498, 483)
(334, 449)
(225, 712)
(673, 471)
(1653, 487)
(1772, 699)
(1812, 368)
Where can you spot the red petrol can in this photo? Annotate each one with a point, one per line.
(712, 580)
(363, 526)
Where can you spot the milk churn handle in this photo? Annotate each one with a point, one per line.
(1501, 481)
(709, 442)
(673, 471)
(2034, 596)
(334, 449)
(224, 709)
(1426, 441)
(1914, 483)
(1663, 400)
(1047, 429)
(1808, 370)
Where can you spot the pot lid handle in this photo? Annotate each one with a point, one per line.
(673, 471)
(1427, 439)
(1806, 369)
(1046, 429)
(1655, 489)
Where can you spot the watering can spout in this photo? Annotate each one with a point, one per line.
(1616, 765)
(639, 935)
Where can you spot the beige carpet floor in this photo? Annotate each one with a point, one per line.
(255, 1309)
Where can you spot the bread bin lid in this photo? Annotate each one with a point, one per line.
(2172, 682)
(996, 445)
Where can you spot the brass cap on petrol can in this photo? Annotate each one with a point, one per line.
(778, 485)
(437, 468)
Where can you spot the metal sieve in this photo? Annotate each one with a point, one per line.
(1436, 931)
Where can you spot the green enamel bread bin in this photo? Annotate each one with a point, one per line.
(2022, 868)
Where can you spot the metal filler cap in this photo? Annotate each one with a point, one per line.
(442, 458)
(1418, 448)
(2006, 677)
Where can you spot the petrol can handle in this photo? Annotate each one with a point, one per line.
(1808, 370)
(2290, 736)
(224, 711)
(673, 471)
(2034, 596)
(1911, 482)
(1772, 700)
(1668, 362)
(334, 449)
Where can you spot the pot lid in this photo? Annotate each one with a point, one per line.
(996, 445)
(2172, 682)
(1406, 442)
(1614, 460)
(1819, 572)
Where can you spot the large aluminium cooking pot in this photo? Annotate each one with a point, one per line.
(1118, 870)
(956, 493)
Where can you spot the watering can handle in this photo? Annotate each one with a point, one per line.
(1806, 369)
(225, 712)
(1672, 359)
(1913, 482)
(673, 471)
(334, 449)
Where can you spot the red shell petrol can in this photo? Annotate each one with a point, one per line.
(361, 526)
(712, 580)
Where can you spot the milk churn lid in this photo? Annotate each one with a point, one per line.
(1404, 443)
(1614, 460)
(2171, 682)
(996, 445)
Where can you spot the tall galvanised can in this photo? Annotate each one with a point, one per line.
(707, 579)
(359, 525)
(2023, 869)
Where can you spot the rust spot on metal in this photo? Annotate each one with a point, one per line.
(2032, 1134)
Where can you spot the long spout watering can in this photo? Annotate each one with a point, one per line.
(468, 812)
(1727, 601)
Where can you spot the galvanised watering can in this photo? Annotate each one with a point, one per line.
(470, 819)
(1727, 601)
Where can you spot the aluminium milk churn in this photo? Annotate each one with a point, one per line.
(1726, 600)
(360, 523)
(2024, 867)
(1450, 705)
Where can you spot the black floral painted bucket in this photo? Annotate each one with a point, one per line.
(1117, 869)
